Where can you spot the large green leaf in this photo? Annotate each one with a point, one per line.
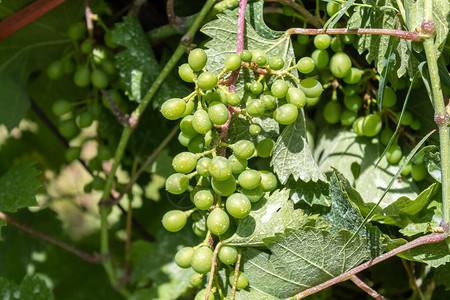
(31, 288)
(300, 260)
(435, 255)
(313, 193)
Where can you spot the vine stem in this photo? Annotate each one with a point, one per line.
(236, 275)
(362, 285)
(213, 269)
(428, 239)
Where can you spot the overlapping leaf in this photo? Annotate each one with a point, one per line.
(31, 288)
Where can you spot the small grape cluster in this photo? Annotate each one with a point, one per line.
(222, 186)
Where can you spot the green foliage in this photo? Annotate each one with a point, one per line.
(31, 288)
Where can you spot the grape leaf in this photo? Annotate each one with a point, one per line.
(31, 288)
(18, 187)
(239, 125)
(292, 156)
(313, 193)
(2, 223)
(433, 163)
(435, 255)
(272, 214)
(441, 276)
(355, 158)
(425, 221)
(300, 260)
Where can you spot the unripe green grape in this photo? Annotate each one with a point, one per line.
(68, 128)
(264, 148)
(190, 106)
(242, 280)
(261, 61)
(389, 97)
(258, 53)
(311, 87)
(353, 102)
(68, 66)
(186, 73)
(173, 108)
(61, 107)
(296, 96)
(311, 101)
(197, 59)
(418, 172)
(276, 63)
(249, 179)
(394, 154)
(340, 64)
(233, 99)
(177, 183)
(253, 195)
(224, 188)
(203, 166)
(416, 125)
(204, 199)
(186, 125)
(255, 108)
(232, 62)
(354, 76)
(332, 112)
(218, 113)
(407, 118)
(196, 144)
(109, 41)
(348, 117)
(218, 221)
(269, 101)
(254, 129)
(407, 169)
(76, 31)
(199, 228)
(306, 65)
(269, 181)
(302, 39)
(246, 56)
(238, 165)
(279, 88)
(174, 220)
(372, 125)
(185, 139)
(98, 183)
(82, 76)
(385, 135)
(286, 114)
(183, 257)
(358, 126)
(350, 90)
(207, 81)
(256, 87)
(202, 294)
(103, 152)
(228, 255)
(348, 38)
(201, 260)
(108, 66)
(99, 79)
(55, 69)
(95, 164)
(196, 280)
(238, 206)
(220, 168)
(87, 46)
(201, 122)
(333, 8)
(184, 162)
(321, 58)
(322, 41)
(337, 45)
(72, 153)
(244, 149)
(216, 96)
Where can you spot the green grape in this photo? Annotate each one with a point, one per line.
(233, 62)
(228, 255)
(207, 81)
(185, 139)
(197, 59)
(255, 108)
(55, 69)
(249, 179)
(244, 149)
(269, 101)
(109, 41)
(312, 101)
(350, 90)
(389, 97)
(184, 162)
(174, 220)
(256, 87)
(196, 144)
(358, 126)
(202, 294)
(238, 165)
(372, 125)
(332, 112)
(68, 66)
(385, 135)
(348, 38)
(216, 96)
(201, 122)
(264, 148)
(95, 164)
(82, 77)
(99, 79)
(61, 107)
(269, 181)
(186, 73)
(98, 183)
(108, 66)
(203, 166)
(279, 88)
(218, 113)
(246, 56)
(186, 125)
(337, 45)
(233, 99)
(68, 128)
(407, 118)
(242, 280)
(321, 58)
(340, 64)
(261, 61)
(311, 87)
(306, 65)
(204, 199)
(286, 114)
(238, 206)
(72, 153)
(183, 257)
(394, 154)
(258, 53)
(416, 125)
(177, 183)
(173, 108)
(220, 168)
(276, 63)
(103, 152)
(296, 96)
(196, 280)
(199, 228)
(224, 188)
(87, 46)
(322, 41)
(353, 102)
(201, 260)
(354, 76)
(77, 31)
(254, 129)
(333, 8)
(348, 117)
(253, 195)
(190, 106)
(218, 221)
(407, 169)
(418, 172)
(302, 39)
